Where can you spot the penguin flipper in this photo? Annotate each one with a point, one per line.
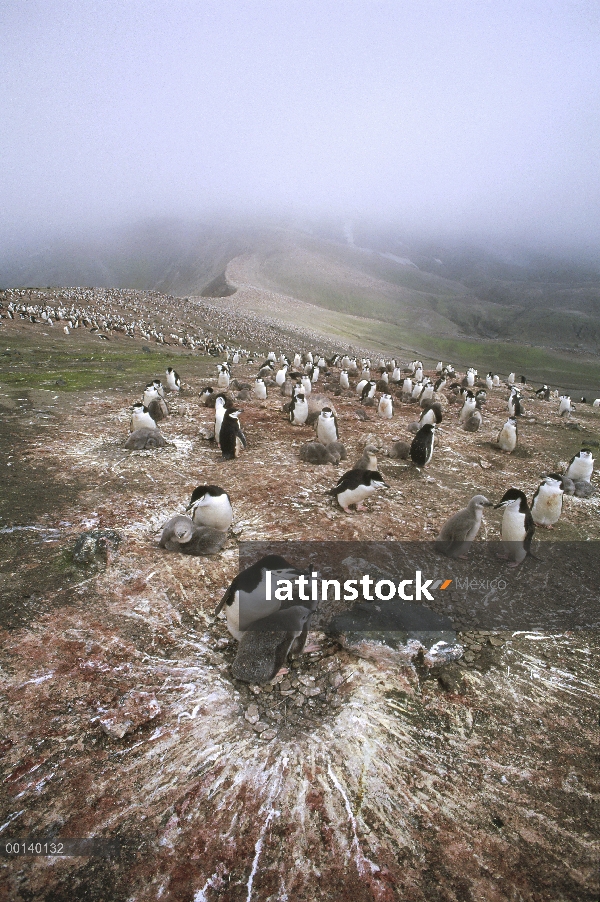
(242, 439)
(227, 598)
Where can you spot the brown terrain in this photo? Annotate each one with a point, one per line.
(361, 774)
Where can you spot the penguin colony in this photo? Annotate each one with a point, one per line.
(311, 383)
(275, 631)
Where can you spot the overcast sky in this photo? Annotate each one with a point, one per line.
(467, 116)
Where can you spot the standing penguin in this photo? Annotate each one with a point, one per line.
(458, 532)
(565, 407)
(326, 427)
(517, 527)
(280, 376)
(421, 449)
(231, 438)
(298, 409)
(306, 385)
(468, 407)
(173, 380)
(581, 466)
(260, 389)
(141, 418)
(223, 378)
(514, 404)
(344, 381)
(386, 407)
(547, 502)
(368, 390)
(507, 437)
(355, 486)
(210, 505)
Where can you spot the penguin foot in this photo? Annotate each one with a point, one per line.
(543, 526)
(360, 507)
(347, 510)
(513, 564)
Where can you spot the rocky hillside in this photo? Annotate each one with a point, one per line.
(363, 773)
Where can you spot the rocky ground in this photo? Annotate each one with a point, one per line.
(360, 774)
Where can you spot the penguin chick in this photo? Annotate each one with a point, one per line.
(316, 453)
(517, 527)
(421, 449)
(458, 532)
(338, 450)
(507, 437)
(158, 409)
(581, 466)
(546, 506)
(399, 451)
(355, 486)
(181, 534)
(210, 505)
(583, 488)
(368, 461)
(144, 439)
(265, 646)
(473, 423)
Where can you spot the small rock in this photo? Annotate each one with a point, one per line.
(252, 715)
(267, 735)
(260, 727)
(135, 708)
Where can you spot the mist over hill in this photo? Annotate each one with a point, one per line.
(427, 289)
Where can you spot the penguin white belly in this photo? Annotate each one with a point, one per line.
(355, 496)
(344, 380)
(507, 439)
(428, 418)
(216, 514)
(385, 409)
(142, 421)
(547, 506)
(467, 409)
(300, 413)
(219, 414)
(581, 469)
(513, 535)
(223, 381)
(513, 526)
(326, 431)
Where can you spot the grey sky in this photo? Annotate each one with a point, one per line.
(461, 116)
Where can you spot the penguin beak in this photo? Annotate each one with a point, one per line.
(500, 504)
(489, 504)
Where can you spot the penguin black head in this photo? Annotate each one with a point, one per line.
(327, 411)
(203, 490)
(513, 495)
